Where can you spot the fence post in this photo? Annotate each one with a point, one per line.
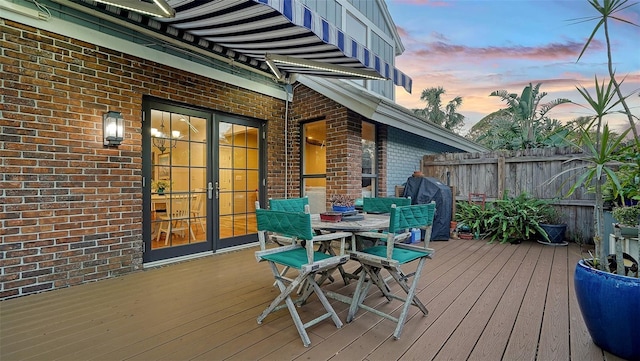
(501, 176)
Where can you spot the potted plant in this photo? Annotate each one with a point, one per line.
(608, 302)
(514, 219)
(342, 203)
(160, 186)
(470, 218)
(629, 219)
(551, 222)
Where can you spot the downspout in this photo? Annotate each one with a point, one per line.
(288, 88)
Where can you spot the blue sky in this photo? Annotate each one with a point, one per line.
(473, 47)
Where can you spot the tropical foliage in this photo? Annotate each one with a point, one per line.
(524, 123)
(607, 11)
(508, 219)
(603, 146)
(448, 117)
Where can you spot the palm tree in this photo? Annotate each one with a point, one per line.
(527, 112)
(448, 118)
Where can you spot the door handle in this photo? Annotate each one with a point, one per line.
(210, 190)
(217, 190)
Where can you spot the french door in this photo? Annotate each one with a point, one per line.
(202, 175)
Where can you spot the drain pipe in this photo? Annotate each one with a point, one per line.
(289, 89)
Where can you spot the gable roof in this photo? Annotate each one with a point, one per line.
(387, 112)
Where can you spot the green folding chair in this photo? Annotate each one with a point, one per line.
(379, 205)
(391, 257)
(314, 267)
(298, 205)
(288, 204)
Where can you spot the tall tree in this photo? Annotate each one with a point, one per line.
(449, 118)
(528, 114)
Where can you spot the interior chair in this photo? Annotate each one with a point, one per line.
(196, 207)
(313, 266)
(392, 256)
(176, 219)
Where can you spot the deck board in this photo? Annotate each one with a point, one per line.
(485, 301)
(493, 340)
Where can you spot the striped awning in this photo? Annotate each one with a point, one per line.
(264, 33)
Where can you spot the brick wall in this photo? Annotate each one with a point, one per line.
(344, 135)
(71, 209)
(404, 155)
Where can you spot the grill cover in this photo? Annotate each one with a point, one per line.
(426, 189)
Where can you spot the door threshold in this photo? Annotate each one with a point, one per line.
(164, 262)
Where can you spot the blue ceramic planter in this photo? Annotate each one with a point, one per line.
(610, 306)
(555, 232)
(343, 208)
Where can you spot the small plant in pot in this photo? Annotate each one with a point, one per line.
(160, 186)
(342, 203)
(552, 223)
(629, 219)
(470, 218)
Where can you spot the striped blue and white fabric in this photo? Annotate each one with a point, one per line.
(248, 30)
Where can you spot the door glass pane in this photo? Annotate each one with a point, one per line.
(178, 212)
(252, 180)
(225, 156)
(240, 158)
(252, 159)
(314, 149)
(239, 179)
(369, 163)
(314, 165)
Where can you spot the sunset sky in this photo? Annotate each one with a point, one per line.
(473, 47)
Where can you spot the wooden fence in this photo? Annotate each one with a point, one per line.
(531, 171)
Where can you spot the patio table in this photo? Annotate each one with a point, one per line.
(371, 222)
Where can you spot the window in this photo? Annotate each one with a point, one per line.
(314, 164)
(369, 160)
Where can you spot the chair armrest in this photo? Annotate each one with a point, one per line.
(342, 236)
(260, 254)
(372, 234)
(431, 251)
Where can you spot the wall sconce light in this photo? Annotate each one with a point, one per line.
(113, 128)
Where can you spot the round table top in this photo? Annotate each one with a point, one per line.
(369, 223)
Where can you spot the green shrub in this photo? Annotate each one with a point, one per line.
(507, 219)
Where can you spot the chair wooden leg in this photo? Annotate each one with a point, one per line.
(159, 231)
(372, 275)
(358, 297)
(290, 304)
(168, 234)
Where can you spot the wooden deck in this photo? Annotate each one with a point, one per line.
(486, 302)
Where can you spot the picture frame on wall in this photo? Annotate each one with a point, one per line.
(163, 167)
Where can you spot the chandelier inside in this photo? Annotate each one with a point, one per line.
(162, 139)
